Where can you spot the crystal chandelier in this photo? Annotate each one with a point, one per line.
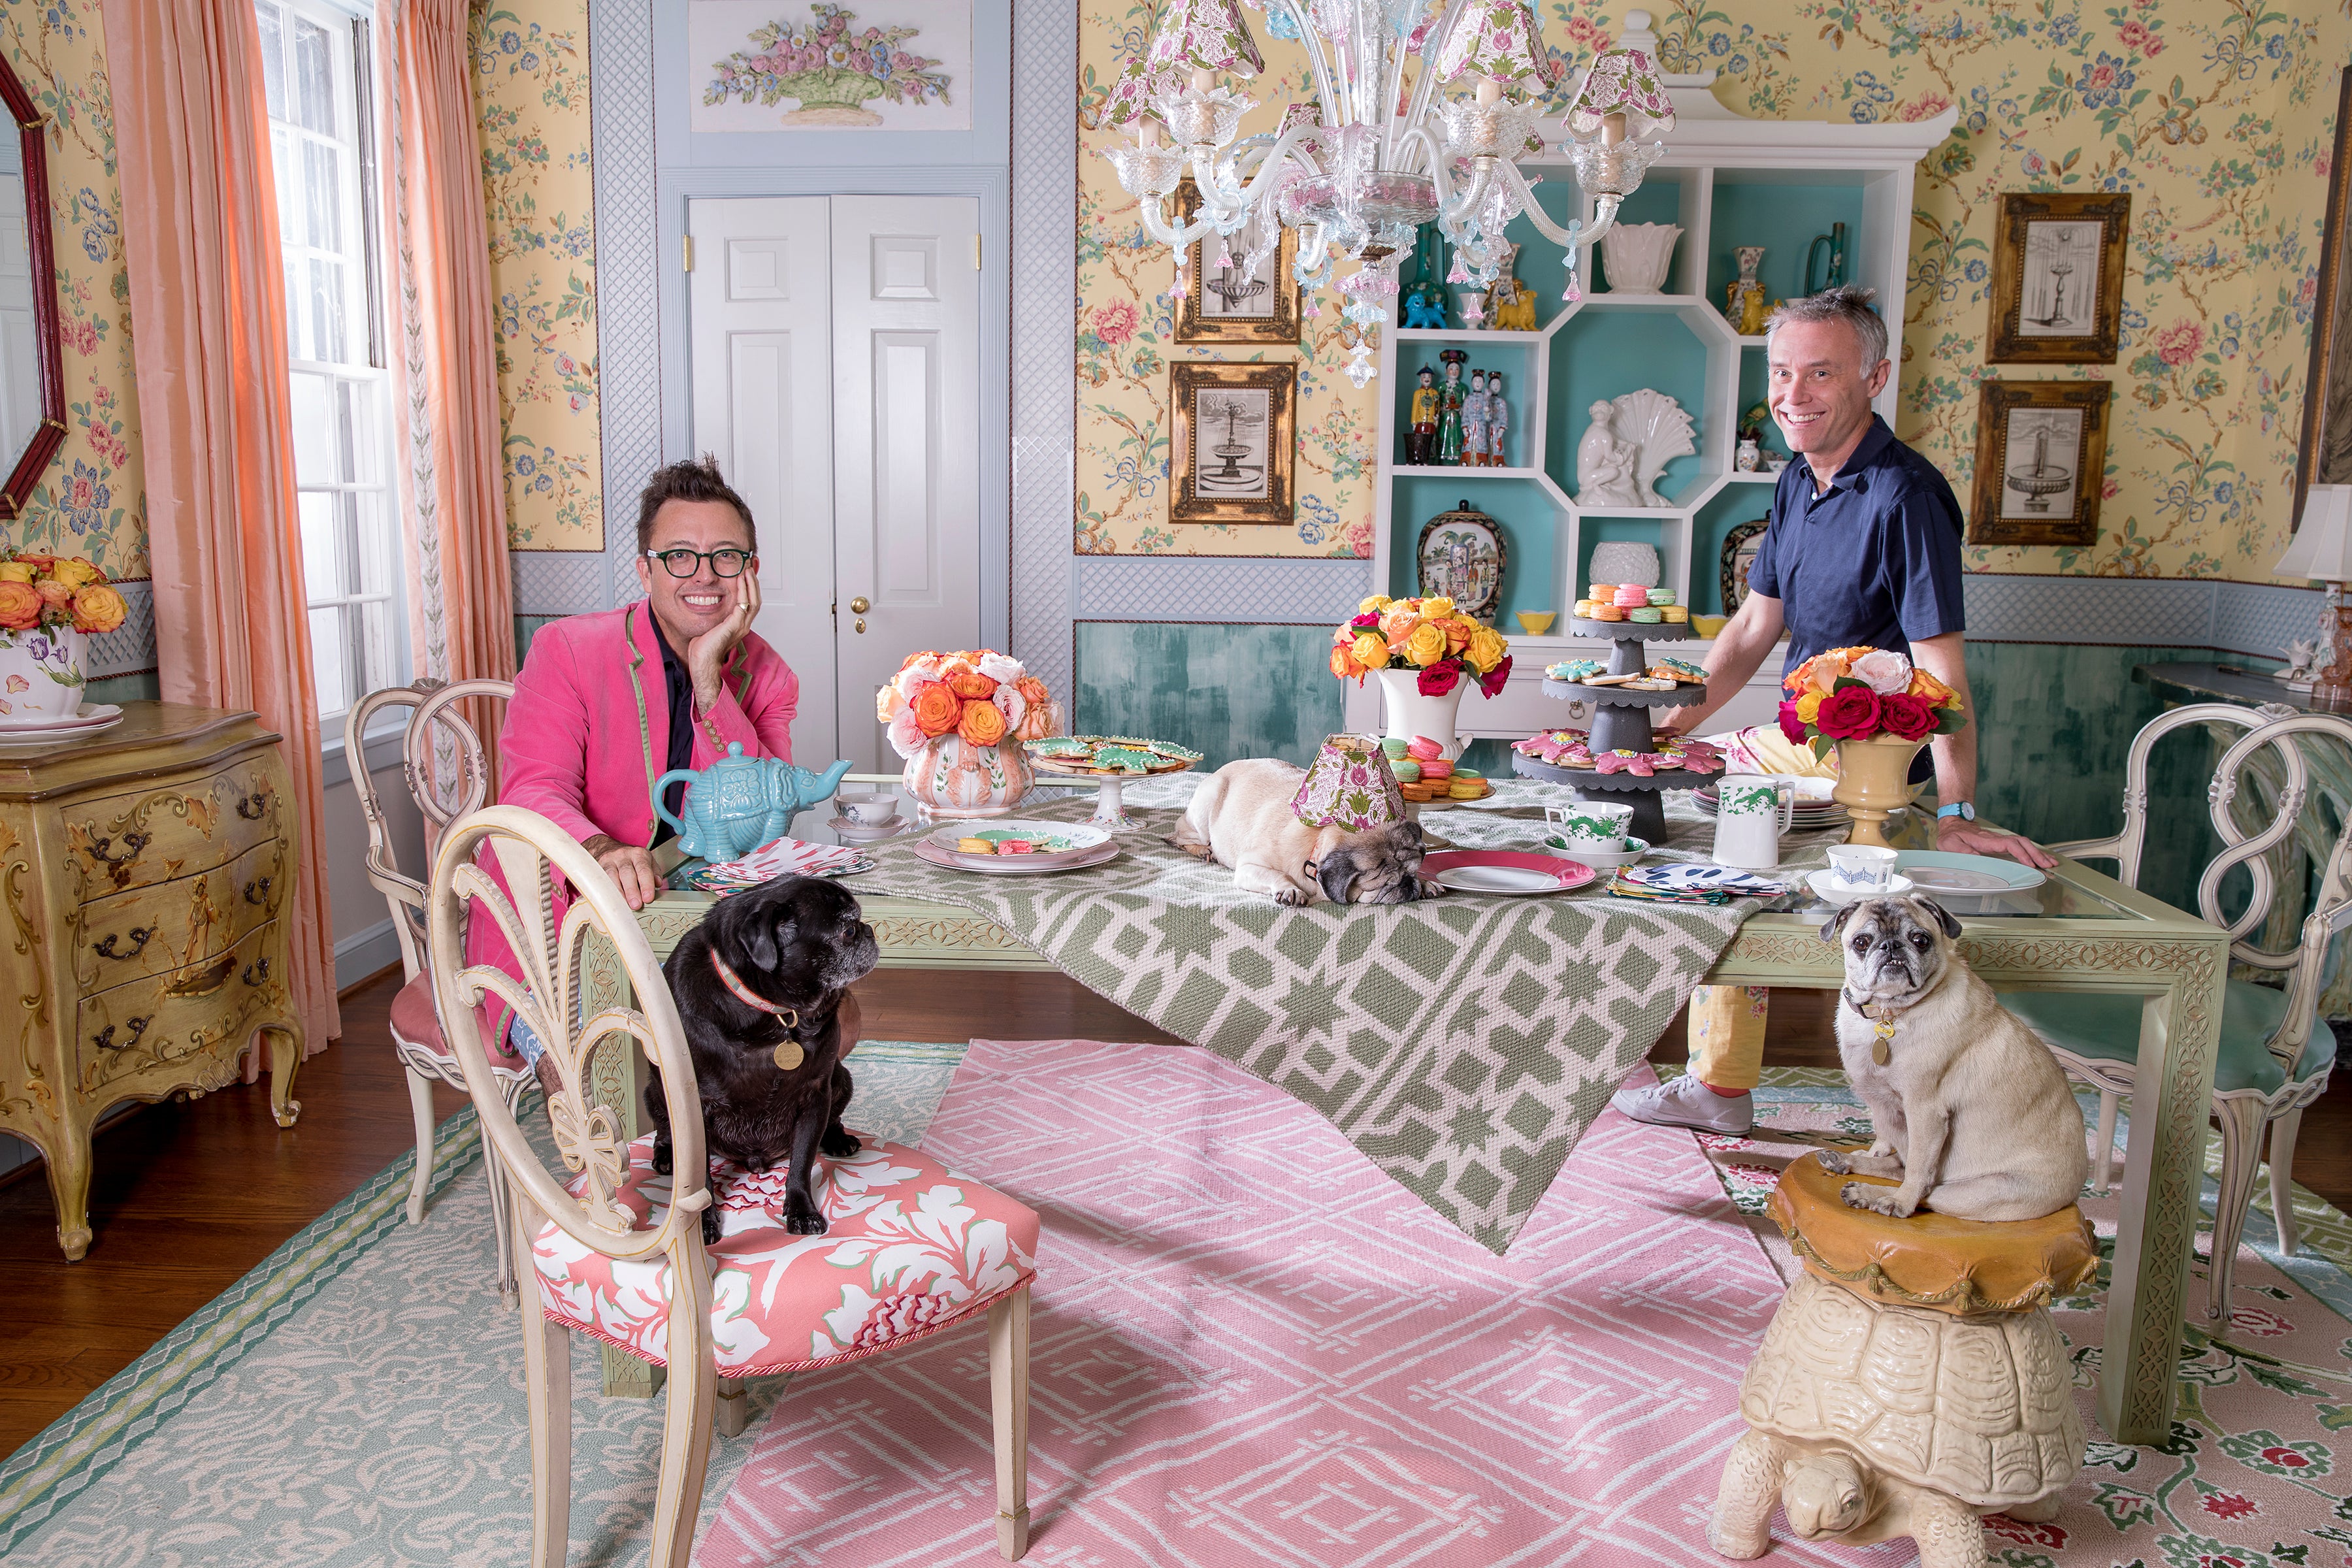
(1359, 178)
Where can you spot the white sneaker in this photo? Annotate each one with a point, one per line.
(1685, 1101)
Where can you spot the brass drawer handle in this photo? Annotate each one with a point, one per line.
(204, 980)
(138, 943)
(104, 1038)
(258, 971)
(132, 843)
(251, 806)
(257, 890)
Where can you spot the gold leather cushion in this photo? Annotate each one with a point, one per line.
(1932, 1260)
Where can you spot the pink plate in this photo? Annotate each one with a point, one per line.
(1506, 871)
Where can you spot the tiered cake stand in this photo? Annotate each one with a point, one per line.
(1620, 723)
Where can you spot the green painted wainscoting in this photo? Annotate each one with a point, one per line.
(1226, 690)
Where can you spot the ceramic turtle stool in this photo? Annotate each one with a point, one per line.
(1910, 1383)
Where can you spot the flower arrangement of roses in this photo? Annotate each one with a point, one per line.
(979, 694)
(44, 592)
(1424, 635)
(1862, 694)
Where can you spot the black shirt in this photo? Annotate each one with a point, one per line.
(681, 685)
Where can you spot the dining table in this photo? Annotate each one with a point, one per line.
(2079, 930)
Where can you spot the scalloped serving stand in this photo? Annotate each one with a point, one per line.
(1108, 811)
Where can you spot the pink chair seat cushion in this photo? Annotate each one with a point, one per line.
(415, 1022)
(911, 1247)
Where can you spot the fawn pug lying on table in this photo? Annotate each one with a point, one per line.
(1968, 1106)
(1241, 817)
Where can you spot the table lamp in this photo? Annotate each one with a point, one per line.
(2321, 548)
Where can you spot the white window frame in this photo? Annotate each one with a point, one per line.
(374, 656)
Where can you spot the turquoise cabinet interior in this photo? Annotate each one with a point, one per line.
(1605, 353)
(1530, 534)
(1783, 212)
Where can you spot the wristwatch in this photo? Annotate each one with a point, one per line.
(1959, 808)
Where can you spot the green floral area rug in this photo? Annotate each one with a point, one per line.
(356, 1401)
(2260, 1464)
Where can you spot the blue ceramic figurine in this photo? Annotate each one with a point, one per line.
(734, 807)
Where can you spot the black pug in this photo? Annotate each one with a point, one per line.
(759, 985)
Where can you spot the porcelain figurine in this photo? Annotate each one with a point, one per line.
(1748, 457)
(1604, 464)
(739, 803)
(1449, 407)
(1424, 303)
(1421, 433)
(1473, 422)
(1511, 304)
(1743, 297)
(1498, 421)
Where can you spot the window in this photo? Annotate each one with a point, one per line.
(315, 73)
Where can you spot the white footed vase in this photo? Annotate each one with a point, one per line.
(1637, 255)
(1411, 715)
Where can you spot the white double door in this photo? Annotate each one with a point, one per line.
(836, 345)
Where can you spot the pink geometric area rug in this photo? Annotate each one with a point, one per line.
(1250, 1347)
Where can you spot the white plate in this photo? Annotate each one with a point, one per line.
(88, 716)
(1012, 864)
(850, 832)
(1966, 876)
(1494, 879)
(1830, 891)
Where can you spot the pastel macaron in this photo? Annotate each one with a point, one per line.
(1407, 770)
(1425, 749)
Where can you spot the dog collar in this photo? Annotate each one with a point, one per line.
(789, 1052)
(1881, 1019)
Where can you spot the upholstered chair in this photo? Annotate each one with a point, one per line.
(2275, 1053)
(435, 723)
(614, 1250)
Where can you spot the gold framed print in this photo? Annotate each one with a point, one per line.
(1220, 304)
(1232, 442)
(2324, 456)
(2042, 457)
(2058, 279)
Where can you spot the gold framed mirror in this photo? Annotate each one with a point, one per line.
(32, 372)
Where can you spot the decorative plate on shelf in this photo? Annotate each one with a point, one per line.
(1462, 555)
(1739, 547)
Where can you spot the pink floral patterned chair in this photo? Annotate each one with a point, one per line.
(616, 1250)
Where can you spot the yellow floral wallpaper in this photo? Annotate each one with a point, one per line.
(92, 500)
(531, 91)
(2218, 116)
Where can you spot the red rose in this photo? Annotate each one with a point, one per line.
(1491, 683)
(1439, 678)
(1848, 715)
(1906, 716)
(1366, 623)
(1790, 725)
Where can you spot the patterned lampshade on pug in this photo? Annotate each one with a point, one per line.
(1350, 786)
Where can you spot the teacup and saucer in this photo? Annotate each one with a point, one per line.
(1593, 832)
(867, 818)
(1858, 871)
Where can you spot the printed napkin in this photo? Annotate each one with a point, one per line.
(783, 858)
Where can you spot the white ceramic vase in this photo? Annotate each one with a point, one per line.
(1625, 560)
(40, 674)
(1411, 715)
(1637, 255)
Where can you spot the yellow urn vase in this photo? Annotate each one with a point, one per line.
(1874, 779)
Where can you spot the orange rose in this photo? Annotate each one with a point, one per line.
(913, 657)
(99, 609)
(937, 710)
(1032, 692)
(970, 684)
(1458, 632)
(53, 592)
(1344, 665)
(20, 606)
(1930, 691)
(984, 723)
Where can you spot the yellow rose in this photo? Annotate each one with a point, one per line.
(1441, 605)
(1369, 651)
(1377, 602)
(1427, 644)
(1808, 705)
(1486, 649)
(76, 572)
(16, 572)
(99, 609)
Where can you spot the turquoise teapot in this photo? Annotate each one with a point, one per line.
(734, 807)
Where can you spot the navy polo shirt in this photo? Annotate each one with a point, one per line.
(1874, 561)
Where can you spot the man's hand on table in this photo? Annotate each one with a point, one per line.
(706, 656)
(1956, 836)
(631, 868)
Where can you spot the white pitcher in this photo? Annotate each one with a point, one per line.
(1751, 812)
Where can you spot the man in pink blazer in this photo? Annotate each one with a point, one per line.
(607, 702)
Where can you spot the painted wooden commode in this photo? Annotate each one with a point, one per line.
(143, 875)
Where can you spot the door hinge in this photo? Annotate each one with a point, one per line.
(689, 253)
(975, 253)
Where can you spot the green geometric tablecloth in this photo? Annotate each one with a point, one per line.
(1463, 1043)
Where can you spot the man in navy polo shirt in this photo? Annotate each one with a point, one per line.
(1862, 549)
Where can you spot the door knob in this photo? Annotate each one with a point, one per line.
(858, 606)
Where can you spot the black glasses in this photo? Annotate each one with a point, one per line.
(684, 563)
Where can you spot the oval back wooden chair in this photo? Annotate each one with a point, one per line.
(419, 1037)
(616, 1249)
(2275, 1054)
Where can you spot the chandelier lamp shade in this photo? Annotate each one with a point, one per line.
(1357, 171)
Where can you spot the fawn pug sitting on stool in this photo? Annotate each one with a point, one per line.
(1969, 1107)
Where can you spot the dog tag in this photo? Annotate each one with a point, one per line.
(1878, 1050)
(789, 1055)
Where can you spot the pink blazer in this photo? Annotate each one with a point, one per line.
(587, 732)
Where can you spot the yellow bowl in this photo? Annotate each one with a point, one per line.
(1708, 625)
(1535, 622)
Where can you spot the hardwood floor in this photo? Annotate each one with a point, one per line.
(189, 1197)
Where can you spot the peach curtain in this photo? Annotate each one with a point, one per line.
(209, 345)
(437, 254)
